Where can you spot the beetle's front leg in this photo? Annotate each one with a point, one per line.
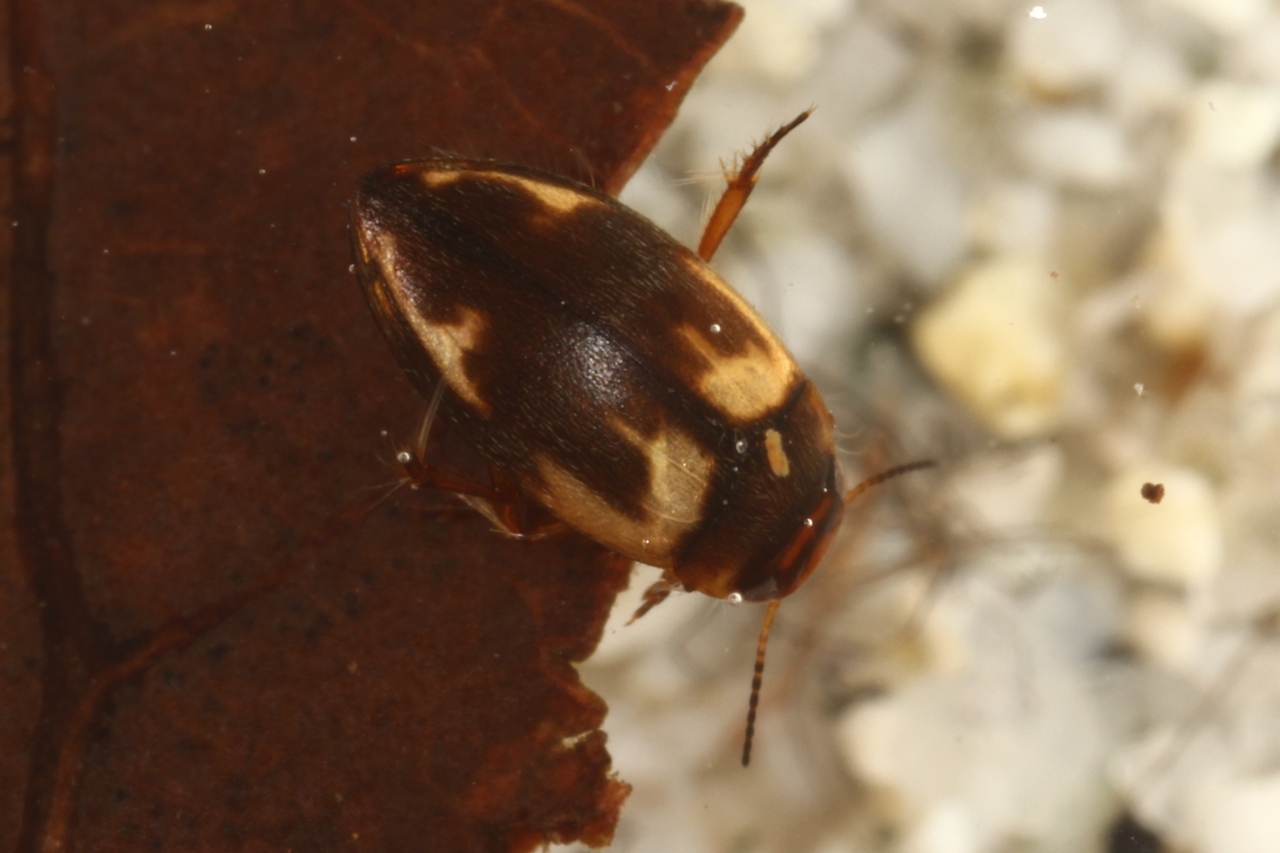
(653, 596)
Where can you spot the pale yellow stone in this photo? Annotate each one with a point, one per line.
(995, 340)
(1177, 541)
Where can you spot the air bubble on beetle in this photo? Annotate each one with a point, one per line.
(715, 328)
(741, 445)
(734, 598)
(808, 522)
(404, 457)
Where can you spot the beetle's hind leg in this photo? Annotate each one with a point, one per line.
(502, 502)
(512, 512)
(741, 181)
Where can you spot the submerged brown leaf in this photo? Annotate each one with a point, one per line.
(212, 633)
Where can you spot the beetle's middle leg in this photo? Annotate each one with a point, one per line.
(741, 181)
(502, 502)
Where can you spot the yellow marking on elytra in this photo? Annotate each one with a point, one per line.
(779, 464)
(679, 477)
(557, 200)
(449, 344)
(435, 178)
(746, 385)
(678, 471)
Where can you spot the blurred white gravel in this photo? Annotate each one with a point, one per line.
(1040, 243)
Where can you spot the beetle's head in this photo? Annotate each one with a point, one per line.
(792, 565)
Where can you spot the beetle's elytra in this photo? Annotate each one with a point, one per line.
(605, 368)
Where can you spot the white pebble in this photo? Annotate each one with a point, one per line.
(864, 66)
(1258, 52)
(1165, 630)
(947, 828)
(973, 743)
(1257, 383)
(821, 300)
(1233, 125)
(996, 341)
(1178, 540)
(779, 40)
(1075, 147)
(1216, 247)
(1151, 81)
(1241, 817)
(1227, 16)
(909, 193)
(1076, 45)
(1002, 492)
(1015, 217)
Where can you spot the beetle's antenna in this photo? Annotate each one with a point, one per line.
(757, 678)
(876, 479)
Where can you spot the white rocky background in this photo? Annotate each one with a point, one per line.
(1039, 243)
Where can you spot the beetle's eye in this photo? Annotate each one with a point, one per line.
(767, 591)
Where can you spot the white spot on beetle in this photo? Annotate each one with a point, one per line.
(779, 464)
